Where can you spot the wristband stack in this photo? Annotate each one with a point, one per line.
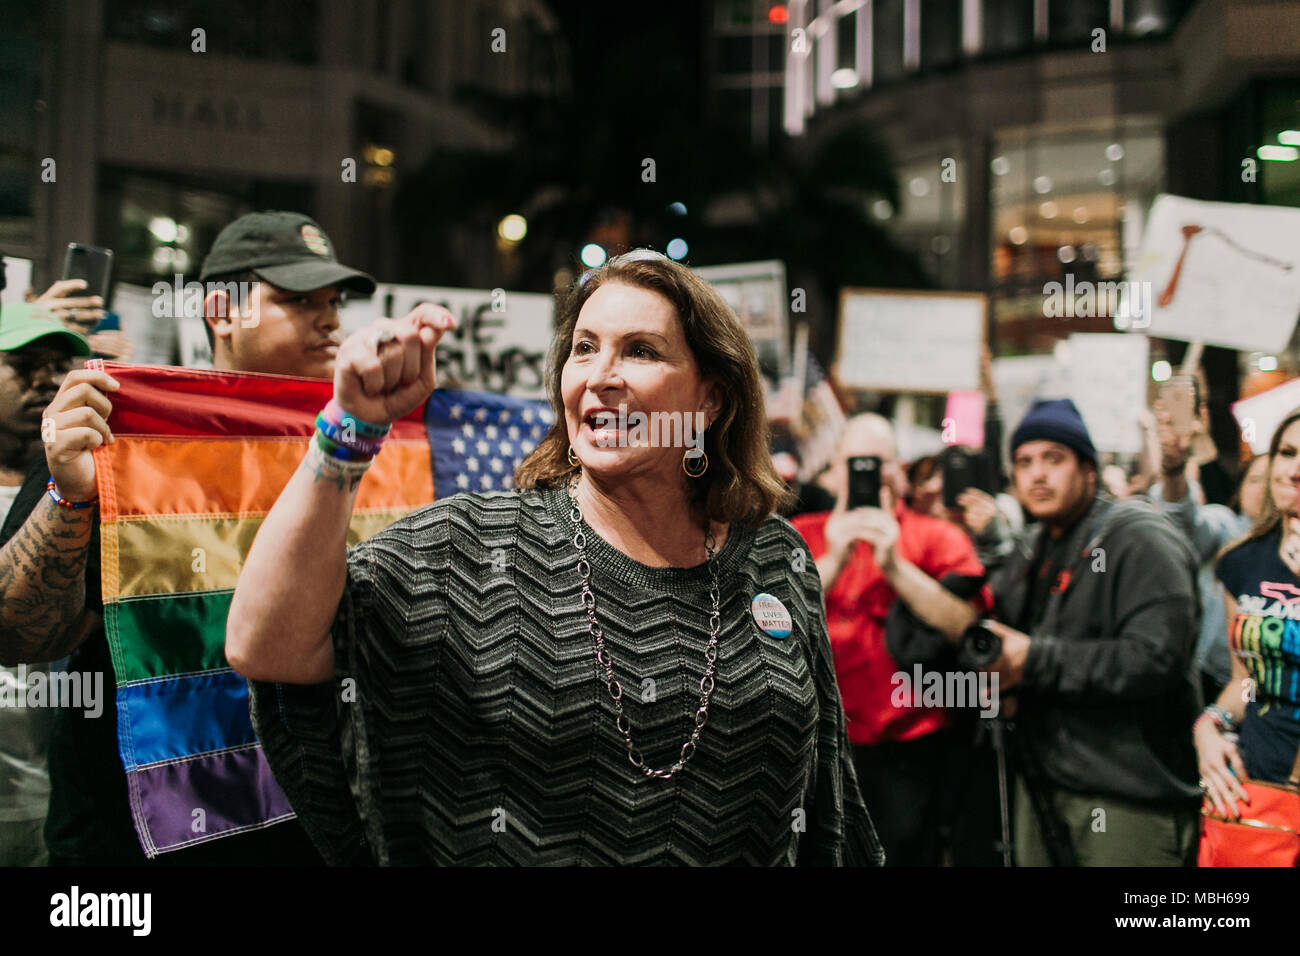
(344, 444)
(1220, 718)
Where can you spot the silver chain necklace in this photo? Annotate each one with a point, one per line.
(606, 663)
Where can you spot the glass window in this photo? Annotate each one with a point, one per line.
(1072, 21)
(887, 40)
(940, 33)
(247, 28)
(1007, 25)
(20, 88)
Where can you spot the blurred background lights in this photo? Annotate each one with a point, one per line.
(1160, 371)
(1114, 152)
(1278, 154)
(1048, 210)
(512, 228)
(845, 78)
(677, 208)
(677, 249)
(1066, 254)
(592, 255)
(918, 186)
(1268, 363)
(882, 209)
(1043, 185)
(1018, 235)
(1000, 165)
(163, 229)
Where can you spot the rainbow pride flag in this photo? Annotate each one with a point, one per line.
(200, 458)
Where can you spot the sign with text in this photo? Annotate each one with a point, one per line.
(499, 344)
(1221, 273)
(893, 341)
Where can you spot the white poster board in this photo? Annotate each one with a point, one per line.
(1021, 380)
(18, 279)
(893, 341)
(1221, 273)
(500, 342)
(1108, 373)
(1259, 415)
(757, 293)
(154, 337)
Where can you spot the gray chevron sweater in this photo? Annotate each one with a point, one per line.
(467, 723)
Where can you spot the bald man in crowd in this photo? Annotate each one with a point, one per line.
(870, 558)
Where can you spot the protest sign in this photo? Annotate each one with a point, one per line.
(894, 341)
(1221, 273)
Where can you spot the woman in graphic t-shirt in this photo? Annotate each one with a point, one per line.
(1261, 704)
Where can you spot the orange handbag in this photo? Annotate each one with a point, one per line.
(1268, 836)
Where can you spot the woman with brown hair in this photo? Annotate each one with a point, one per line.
(645, 678)
(1248, 741)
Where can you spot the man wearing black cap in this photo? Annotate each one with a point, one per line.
(273, 289)
(1099, 617)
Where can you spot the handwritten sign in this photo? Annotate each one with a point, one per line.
(1222, 273)
(500, 342)
(910, 342)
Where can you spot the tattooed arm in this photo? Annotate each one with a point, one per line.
(43, 586)
(43, 567)
(290, 585)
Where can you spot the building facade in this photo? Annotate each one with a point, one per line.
(165, 119)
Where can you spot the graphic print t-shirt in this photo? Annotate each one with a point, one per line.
(1265, 636)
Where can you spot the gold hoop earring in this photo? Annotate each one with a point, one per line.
(703, 468)
(573, 458)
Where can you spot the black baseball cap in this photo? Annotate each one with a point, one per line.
(287, 249)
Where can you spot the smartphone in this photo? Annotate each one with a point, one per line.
(864, 482)
(1178, 396)
(964, 468)
(91, 263)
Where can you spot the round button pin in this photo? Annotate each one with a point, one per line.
(771, 616)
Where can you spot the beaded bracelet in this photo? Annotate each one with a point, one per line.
(334, 413)
(1222, 719)
(64, 502)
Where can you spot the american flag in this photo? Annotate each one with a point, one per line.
(479, 438)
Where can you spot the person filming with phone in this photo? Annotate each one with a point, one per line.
(873, 552)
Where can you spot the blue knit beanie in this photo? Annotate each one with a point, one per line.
(1055, 420)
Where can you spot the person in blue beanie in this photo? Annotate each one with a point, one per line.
(1098, 617)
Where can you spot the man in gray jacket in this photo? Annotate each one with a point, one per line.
(1099, 613)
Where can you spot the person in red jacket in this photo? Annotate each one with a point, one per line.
(868, 558)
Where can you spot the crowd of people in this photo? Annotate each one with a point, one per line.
(1129, 646)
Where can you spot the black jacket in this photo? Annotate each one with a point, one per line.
(1108, 697)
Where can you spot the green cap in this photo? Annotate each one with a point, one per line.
(287, 249)
(23, 323)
